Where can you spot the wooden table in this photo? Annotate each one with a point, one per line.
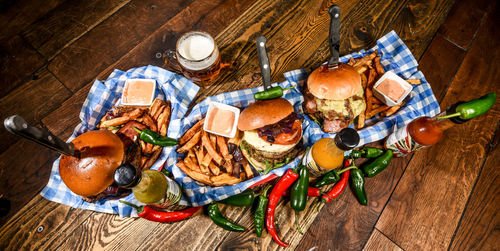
(442, 197)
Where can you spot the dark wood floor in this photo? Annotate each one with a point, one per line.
(444, 197)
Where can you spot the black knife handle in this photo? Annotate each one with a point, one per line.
(264, 61)
(334, 39)
(17, 125)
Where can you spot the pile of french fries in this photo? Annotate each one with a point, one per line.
(370, 69)
(156, 117)
(208, 159)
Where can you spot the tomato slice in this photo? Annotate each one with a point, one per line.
(289, 138)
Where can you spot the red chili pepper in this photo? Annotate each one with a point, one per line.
(337, 189)
(311, 192)
(283, 184)
(151, 214)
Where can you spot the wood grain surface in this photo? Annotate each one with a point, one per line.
(434, 199)
(441, 178)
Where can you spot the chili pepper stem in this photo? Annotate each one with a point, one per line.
(297, 222)
(264, 192)
(449, 116)
(130, 204)
(137, 130)
(346, 169)
(291, 87)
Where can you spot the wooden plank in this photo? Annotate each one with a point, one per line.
(110, 40)
(440, 63)
(463, 21)
(201, 15)
(379, 241)
(68, 22)
(16, 15)
(33, 100)
(18, 62)
(426, 206)
(47, 219)
(478, 228)
(62, 121)
(24, 171)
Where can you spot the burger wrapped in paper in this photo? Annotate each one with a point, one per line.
(272, 133)
(334, 97)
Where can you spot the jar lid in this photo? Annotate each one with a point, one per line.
(347, 139)
(127, 176)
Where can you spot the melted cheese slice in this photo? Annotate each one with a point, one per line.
(252, 137)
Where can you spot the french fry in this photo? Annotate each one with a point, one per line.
(228, 164)
(168, 112)
(149, 148)
(206, 160)
(364, 80)
(392, 110)
(191, 132)
(161, 121)
(351, 62)
(237, 138)
(361, 69)
(144, 159)
(143, 145)
(361, 120)
(198, 151)
(376, 101)
(152, 159)
(248, 171)
(366, 60)
(368, 100)
(153, 108)
(378, 66)
(378, 110)
(191, 153)
(134, 114)
(156, 147)
(213, 140)
(210, 148)
(158, 112)
(221, 143)
(115, 122)
(203, 178)
(224, 179)
(414, 81)
(214, 169)
(191, 163)
(148, 121)
(189, 144)
(372, 75)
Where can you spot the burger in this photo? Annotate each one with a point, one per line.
(272, 134)
(333, 98)
(97, 155)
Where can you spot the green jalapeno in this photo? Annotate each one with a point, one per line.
(329, 178)
(274, 92)
(366, 152)
(154, 138)
(298, 192)
(260, 212)
(377, 165)
(219, 220)
(245, 198)
(473, 108)
(357, 181)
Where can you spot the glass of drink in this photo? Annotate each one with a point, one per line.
(196, 56)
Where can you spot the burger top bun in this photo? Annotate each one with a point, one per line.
(101, 152)
(264, 112)
(336, 84)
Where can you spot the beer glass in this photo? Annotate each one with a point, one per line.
(196, 56)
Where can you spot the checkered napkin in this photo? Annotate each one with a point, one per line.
(102, 96)
(395, 56)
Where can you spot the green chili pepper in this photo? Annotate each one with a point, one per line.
(219, 220)
(298, 192)
(329, 178)
(473, 108)
(154, 138)
(260, 212)
(366, 152)
(245, 198)
(357, 181)
(378, 165)
(274, 92)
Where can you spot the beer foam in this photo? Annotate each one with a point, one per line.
(196, 47)
(198, 52)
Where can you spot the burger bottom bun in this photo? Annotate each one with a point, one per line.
(259, 166)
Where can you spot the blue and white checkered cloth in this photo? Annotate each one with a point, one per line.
(102, 96)
(395, 56)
